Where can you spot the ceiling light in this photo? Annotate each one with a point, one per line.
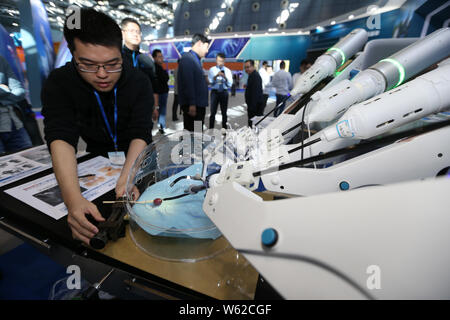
(293, 6)
(351, 16)
(283, 16)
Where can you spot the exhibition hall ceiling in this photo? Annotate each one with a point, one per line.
(148, 12)
(161, 18)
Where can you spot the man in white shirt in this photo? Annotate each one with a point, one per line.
(304, 65)
(265, 76)
(282, 82)
(220, 79)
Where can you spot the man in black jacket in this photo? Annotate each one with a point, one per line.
(192, 86)
(99, 98)
(132, 56)
(161, 88)
(253, 91)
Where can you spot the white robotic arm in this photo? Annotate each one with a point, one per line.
(425, 95)
(386, 74)
(331, 103)
(324, 66)
(331, 60)
(366, 243)
(387, 242)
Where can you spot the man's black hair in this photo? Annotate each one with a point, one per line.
(155, 52)
(126, 21)
(252, 62)
(264, 63)
(221, 55)
(282, 65)
(95, 28)
(199, 37)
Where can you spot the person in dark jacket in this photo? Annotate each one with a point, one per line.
(192, 85)
(100, 99)
(13, 135)
(175, 93)
(132, 56)
(253, 91)
(161, 88)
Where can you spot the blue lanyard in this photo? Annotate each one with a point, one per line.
(100, 104)
(135, 59)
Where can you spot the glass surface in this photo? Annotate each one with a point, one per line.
(177, 229)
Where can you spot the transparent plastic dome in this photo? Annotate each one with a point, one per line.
(165, 193)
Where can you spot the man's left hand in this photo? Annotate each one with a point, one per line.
(121, 188)
(155, 115)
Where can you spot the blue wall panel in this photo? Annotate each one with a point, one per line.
(292, 48)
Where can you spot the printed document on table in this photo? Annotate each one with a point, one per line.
(44, 193)
(22, 164)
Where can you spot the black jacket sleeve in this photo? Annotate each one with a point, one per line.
(59, 113)
(158, 86)
(147, 65)
(253, 93)
(186, 80)
(141, 115)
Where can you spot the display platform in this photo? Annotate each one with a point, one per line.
(137, 275)
(226, 276)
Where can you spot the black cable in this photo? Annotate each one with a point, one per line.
(194, 191)
(303, 131)
(364, 147)
(176, 197)
(203, 158)
(196, 177)
(307, 96)
(315, 262)
(178, 179)
(305, 145)
(270, 112)
(292, 128)
(301, 102)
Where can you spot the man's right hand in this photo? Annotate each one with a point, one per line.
(192, 111)
(82, 229)
(155, 115)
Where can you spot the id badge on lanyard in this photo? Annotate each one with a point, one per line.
(116, 157)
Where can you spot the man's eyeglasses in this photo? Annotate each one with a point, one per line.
(89, 67)
(138, 32)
